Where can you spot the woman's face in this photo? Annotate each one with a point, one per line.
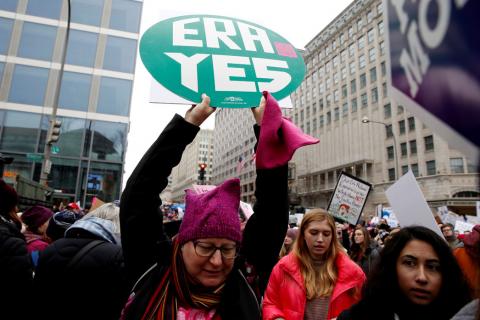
(209, 271)
(418, 272)
(318, 237)
(358, 237)
(288, 241)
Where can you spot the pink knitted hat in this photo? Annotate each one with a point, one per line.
(213, 214)
(279, 137)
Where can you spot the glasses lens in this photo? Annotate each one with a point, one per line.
(229, 252)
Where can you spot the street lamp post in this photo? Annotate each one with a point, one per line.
(54, 124)
(365, 119)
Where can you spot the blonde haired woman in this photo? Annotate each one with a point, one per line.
(317, 280)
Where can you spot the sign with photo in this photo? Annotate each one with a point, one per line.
(231, 60)
(348, 199)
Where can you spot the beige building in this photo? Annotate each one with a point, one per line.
(346, 82)
(185, 174)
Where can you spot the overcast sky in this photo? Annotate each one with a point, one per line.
(297, 21)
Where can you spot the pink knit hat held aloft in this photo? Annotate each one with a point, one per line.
(213, 214)
(279, 137)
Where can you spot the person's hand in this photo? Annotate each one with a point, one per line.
(197, 114)
(258, 111)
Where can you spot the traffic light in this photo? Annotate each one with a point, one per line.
(54, 132)
(201, 172)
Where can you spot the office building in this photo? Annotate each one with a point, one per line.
(94, 97)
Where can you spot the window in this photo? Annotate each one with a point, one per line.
(329, 117)
(411, 123)
(371, 55)
(384, 90)
(384, 68)
(400, 109)
(8, 5)
(413, 147)
(120, 54)
(329, 99)
(401, 126)
(354, 105)
(114, 96)
(335, 78)
(364, 100)
(371, 35)
(320, 103)
(342, 38)
(2, 66)
(37, 41)
(327, 83)
(125, 15)
(82, 48)
(363, 81)
(414, 167)
(382, 48)
(344, 91)
(404, 169)
(345, 109)
(350, 32)
(336, 95)
(335, 61)
(431, 168)
(5, 33)
(108, 141)
(343, 55)
(71, 140)
(28, 79)
(373, 75)
(352, 67)
(75, 91)
(403, 149)
(353, 86)
(391, 174)
(380, 8)
(369, 16)
(374, 95)
(456, 165)
(361, 43)
(337, 113)
(359, 24)
(390, 153)
(47, 9)
(20, 131)
(428, 143)
(344, 73)
(361, 61)
(387, 111)
(320, 121)
(389, 130)
(87, 11)
(351, 50)
(380, 28)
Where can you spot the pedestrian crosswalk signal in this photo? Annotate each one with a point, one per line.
(201, 172)
(54, 132)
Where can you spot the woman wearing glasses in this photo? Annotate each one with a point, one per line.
(197, 275)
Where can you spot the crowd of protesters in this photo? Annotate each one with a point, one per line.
(141, 259)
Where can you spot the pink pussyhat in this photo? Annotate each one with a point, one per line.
(279, 137)
(213, 214)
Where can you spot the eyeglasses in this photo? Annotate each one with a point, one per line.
(203, 249)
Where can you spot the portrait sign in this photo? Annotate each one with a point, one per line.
(348, 199)
(231, 60)
(434, 56)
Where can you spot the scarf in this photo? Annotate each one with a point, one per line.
(178, 288)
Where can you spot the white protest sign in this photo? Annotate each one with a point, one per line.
(462, 226)
(409, 204)
(478, 209)
(348, 198)
(442, 212)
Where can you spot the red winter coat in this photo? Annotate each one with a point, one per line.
(286, 294)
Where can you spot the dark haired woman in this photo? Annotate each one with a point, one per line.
(417, 277)
(364, 250)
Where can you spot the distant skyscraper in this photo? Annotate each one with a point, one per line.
(94, 101)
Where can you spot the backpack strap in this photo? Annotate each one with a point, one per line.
(83, 252)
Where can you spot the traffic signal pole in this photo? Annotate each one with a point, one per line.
(54, 128)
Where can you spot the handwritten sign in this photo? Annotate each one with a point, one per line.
(349, 198)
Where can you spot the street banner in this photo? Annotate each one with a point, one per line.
(434, 66)
(409, 204)
(231, 60)
(348, 198)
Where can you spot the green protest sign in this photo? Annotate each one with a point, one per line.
(231, 60)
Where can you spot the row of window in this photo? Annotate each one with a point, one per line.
(97, 140)
(428, 146)
(124, 15)
(37, 41)
(113, 97)
(456, 166)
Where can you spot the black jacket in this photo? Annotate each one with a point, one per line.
(15, 271)
(93, 288)
(145, 242)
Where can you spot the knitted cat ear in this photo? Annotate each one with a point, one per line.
(279, 137)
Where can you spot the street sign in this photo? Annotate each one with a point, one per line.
(55, 149)
(230, 60)
(434, 56)
(34, 156)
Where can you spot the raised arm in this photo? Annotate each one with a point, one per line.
(143, 239)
